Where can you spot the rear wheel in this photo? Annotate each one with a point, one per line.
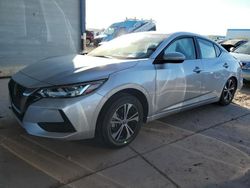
(228, 92)
(120, 121)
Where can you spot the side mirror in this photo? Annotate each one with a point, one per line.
(231, 49)
(173, 57)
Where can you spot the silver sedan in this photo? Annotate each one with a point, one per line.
(122, 84)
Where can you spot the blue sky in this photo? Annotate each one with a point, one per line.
(199, 16)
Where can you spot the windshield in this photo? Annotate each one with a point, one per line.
(109, 31)
(243, 49)
(131, 46)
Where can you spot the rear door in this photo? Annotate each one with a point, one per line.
(215, 70)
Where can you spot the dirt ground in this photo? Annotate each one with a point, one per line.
(243, 97)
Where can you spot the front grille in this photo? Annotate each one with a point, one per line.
(16, 94)
(19, 101)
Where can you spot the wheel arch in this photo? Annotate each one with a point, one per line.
(131, 91)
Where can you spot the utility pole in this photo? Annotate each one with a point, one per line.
(83, 24)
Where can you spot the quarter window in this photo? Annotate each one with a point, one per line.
(207, 49)
(184, 46)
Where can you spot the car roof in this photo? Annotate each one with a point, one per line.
(176, 34)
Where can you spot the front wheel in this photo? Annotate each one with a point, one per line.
(228, 92)
(120, 121)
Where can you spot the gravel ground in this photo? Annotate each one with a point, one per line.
(243, 97)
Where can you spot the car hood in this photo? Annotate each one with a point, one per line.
(75, 69)
(101, 36)
(245, 58)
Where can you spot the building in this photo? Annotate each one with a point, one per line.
(238, 33)
(31, 30)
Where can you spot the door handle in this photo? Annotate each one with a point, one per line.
(226, 65)
(197, 70)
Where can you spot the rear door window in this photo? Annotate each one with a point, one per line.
(207, 49)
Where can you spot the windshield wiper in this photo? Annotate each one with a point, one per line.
(103, 56)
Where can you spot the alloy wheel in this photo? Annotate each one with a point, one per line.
(124, 122)
(229, 90)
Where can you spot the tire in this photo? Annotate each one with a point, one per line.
(116, 128)
(88, 42)
(228, 92)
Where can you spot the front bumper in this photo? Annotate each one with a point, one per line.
(61, 118)
(246, 74)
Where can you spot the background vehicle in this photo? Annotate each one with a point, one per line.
(121, 28)
(111, 91)
(216, 38)
(231, 44)
(89, 37)
(243, 54)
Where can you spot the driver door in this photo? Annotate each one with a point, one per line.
(178, 84)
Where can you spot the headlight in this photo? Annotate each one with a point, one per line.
(70, 91)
